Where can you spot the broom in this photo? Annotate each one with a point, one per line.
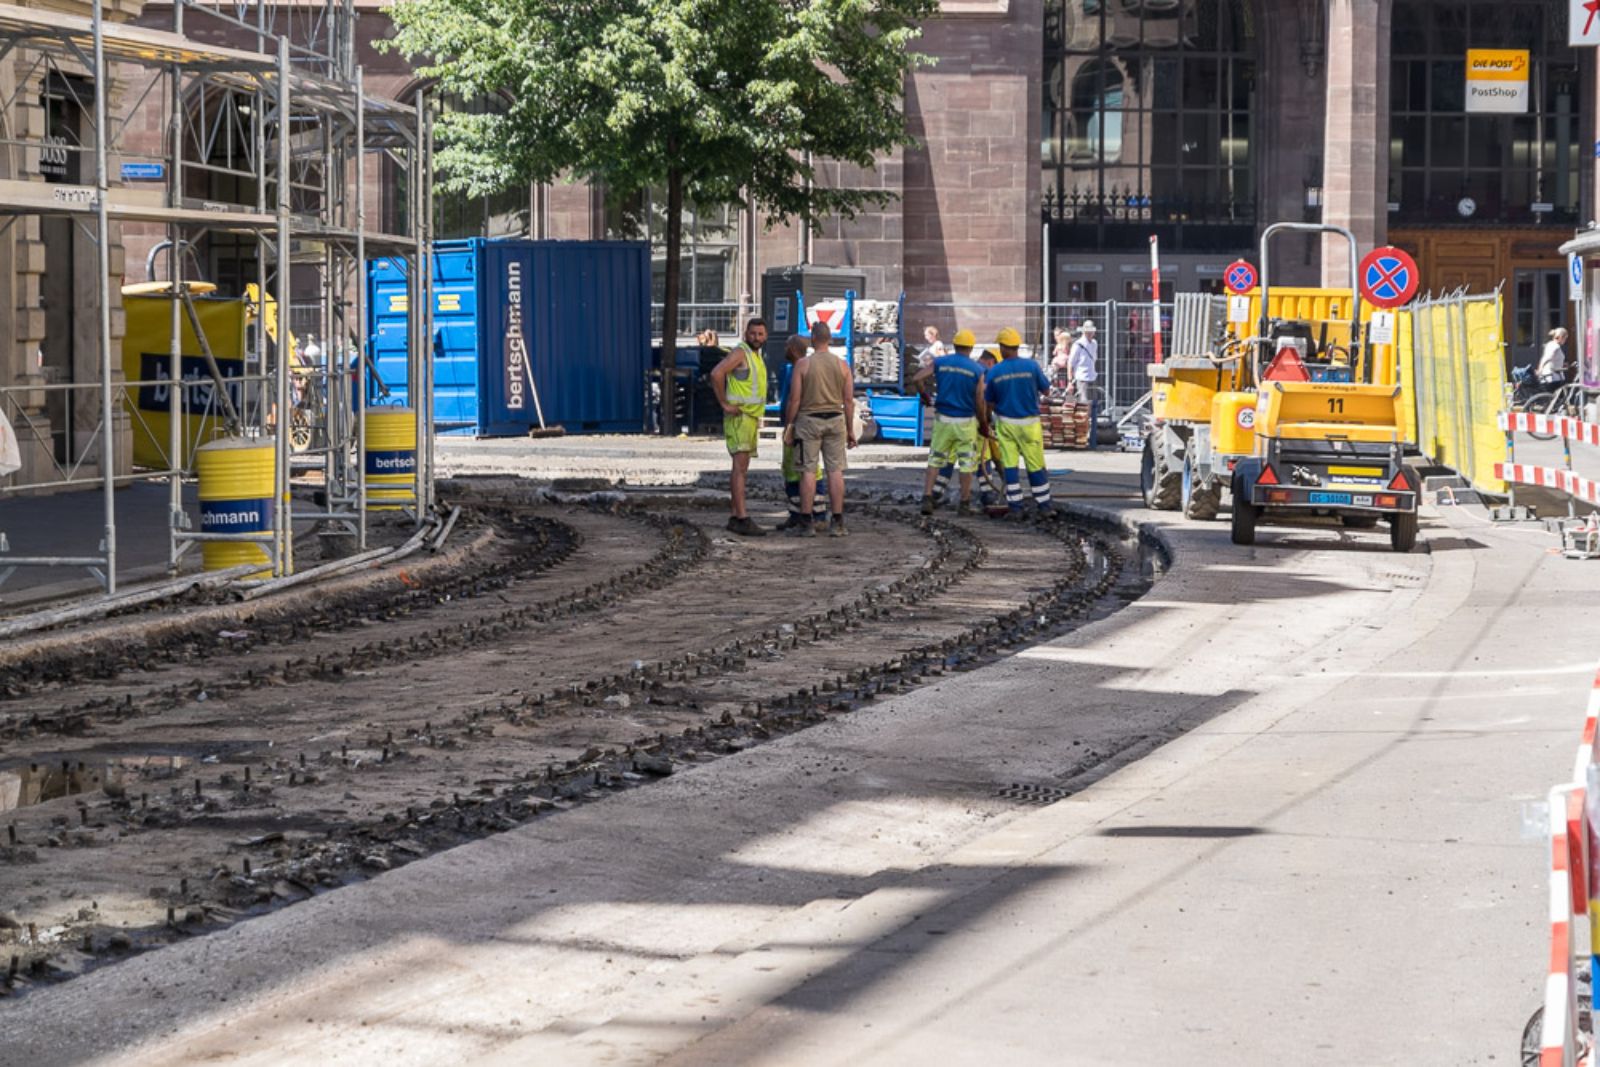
(538, 408)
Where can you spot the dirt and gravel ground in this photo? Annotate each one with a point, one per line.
(188, 768)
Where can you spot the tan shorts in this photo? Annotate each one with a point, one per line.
(821, 436)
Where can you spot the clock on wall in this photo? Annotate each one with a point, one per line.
(1467, 207)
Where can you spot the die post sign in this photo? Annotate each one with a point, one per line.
(1497, 80)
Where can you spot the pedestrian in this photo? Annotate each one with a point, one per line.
(1552, 367)
(1083, 369)
(1012, 391)
(932, 350)
(1061, 355)
(793, 353)
(960, 420)
(821, 419)
(739, 382)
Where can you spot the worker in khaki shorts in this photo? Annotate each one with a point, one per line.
(959, 422)
(793, 353)
(1012, 391)
(821, 418)
(740, 385)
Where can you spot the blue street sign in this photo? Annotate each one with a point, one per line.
(144, 172)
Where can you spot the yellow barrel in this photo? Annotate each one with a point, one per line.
(1233, 424)
(236, 496)
(391, 458)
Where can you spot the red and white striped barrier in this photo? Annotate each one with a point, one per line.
(1566, 426)
(1559, 1040)
(1572, 878)
(1584, 489)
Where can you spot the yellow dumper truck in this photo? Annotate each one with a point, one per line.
(1295, 410)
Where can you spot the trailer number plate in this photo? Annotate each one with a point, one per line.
(1362, 501)
(1330, 498)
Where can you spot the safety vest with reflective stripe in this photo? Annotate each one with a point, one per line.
(750, 393)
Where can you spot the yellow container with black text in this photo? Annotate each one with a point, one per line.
(1233, 424)
(391, 458)
(236, 497)
(147, 357)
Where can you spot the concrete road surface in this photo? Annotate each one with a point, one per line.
(1310, 851)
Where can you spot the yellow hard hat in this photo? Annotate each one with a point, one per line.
(1009, 338)
(992, 353)
(964, 339)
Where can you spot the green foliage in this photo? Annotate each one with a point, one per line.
(722, 97)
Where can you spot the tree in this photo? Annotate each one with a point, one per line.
(716, 100)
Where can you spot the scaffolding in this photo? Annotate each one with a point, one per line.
(285, 129)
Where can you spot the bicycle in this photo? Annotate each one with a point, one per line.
(1568, 399)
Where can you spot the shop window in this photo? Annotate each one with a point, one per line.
(1448, 166)
(1147, 123)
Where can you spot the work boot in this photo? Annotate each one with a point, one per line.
(746, 527)
(803, 529)
(965, 510)
(836, 527)
(788, 523)
(927, 505)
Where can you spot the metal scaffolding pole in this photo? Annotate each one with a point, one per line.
(361, 308)
(102, 225)
(284, 517)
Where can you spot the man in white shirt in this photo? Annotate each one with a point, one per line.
(1082, 370)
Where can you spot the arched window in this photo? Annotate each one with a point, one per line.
(1146, 122)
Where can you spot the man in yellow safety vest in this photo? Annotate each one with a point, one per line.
(740, 385)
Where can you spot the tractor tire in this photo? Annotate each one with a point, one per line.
(1162, 486)
(1359, 522)
(1403, 531)
(1200, 502)
(1245, 515)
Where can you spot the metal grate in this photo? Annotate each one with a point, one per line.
(1026, 793)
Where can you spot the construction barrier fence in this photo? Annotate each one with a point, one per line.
(1458, 383)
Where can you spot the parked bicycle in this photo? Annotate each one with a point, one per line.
(1552, 396)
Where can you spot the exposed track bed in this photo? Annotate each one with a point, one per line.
(208, 777)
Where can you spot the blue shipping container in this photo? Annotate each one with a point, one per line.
(575, 315)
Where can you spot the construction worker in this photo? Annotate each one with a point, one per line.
(1012, 390)
(821, 416)
(793, 353)
(740, 384)
(959, 421)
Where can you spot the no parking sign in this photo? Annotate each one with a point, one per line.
(1240, 277)
(1388, 277)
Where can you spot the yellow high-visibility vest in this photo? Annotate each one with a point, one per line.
(750, 393)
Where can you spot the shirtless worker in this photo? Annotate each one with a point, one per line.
(793, 353)
(821, 419)
(740, 385)
(959, 422)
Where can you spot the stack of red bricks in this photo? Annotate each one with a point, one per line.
(1065, 422)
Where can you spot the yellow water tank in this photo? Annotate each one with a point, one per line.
(1233, 423)
(391, 458)
(236, 497)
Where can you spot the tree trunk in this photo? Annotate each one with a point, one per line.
(669, 304)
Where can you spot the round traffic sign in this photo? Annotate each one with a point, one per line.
(1575, 269)
(1388, 277)
(1240, 277)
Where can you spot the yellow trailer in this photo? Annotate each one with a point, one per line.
(1330, 423)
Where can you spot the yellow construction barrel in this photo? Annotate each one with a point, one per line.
(236, 491)
(391, 458)
(1233, 423)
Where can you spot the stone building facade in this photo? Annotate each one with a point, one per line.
(1055, 137)
(49, 315)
